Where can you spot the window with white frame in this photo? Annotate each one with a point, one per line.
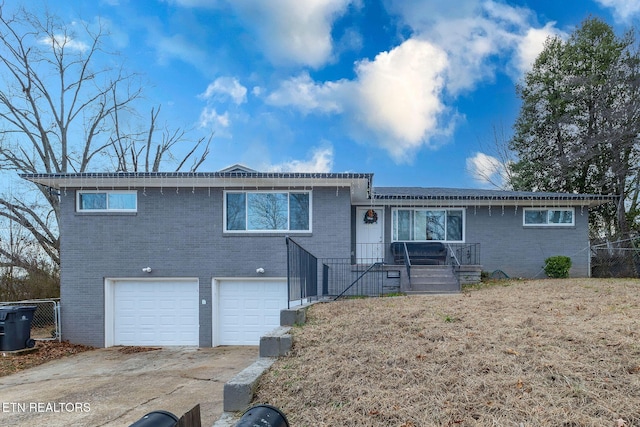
(548, 217)
(106, 201)
(421, 224)
(267, 211)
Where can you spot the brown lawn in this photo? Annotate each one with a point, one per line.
(523, 353)
(43, 352)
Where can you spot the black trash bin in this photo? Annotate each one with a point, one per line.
(15, 327)
(263, 416)
(157, 419)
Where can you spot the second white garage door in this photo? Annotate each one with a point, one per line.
(247, 309)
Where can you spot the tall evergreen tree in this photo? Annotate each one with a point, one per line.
(579, 122)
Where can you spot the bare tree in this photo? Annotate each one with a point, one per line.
(62, 111)
(268, 211)
(36, 277)
(133, 151)
(495, 161)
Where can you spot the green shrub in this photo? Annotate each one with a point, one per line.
(557, 266)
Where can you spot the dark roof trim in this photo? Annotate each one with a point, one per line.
(164, 175)
(422, 193)
(359, 183)
(410, 196)
(541, 196)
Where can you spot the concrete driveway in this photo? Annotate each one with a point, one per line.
(106, 387)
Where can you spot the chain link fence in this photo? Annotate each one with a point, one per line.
(46, 319)
(615, 259)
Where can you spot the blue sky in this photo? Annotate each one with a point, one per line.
(407, 89)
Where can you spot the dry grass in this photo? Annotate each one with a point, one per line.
(43, 352)
(530, 353)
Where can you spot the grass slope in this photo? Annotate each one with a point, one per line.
(529, 353)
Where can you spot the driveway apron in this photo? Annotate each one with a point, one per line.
(117, 387)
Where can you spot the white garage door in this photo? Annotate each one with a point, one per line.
(249, 309)
(156, 313)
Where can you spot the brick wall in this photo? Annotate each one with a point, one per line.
(505, 244)
(177, 234)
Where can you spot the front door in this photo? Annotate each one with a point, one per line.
(369, 235)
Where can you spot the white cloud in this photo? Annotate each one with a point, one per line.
(398, 98)
(226, 87)
(529, 47)
(178, 47)
(623, 10)
(506, 14)
(209, 117)
(219, 91)
(63, 41)
(486, 169)
(474, 33)
(306, 95)
(398, 95)
(472, 43)
(288, 31)
(395, 97)
(293, 30)
(321, 161)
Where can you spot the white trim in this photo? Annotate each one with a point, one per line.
(107, 192)
(550, 224)
(215, 300)
(370, 250)
(283, 191)
(429, 208)
(109, 300)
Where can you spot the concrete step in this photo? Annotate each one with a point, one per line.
(423, 281)
(432, 276)
(433, 279)
(434, 288)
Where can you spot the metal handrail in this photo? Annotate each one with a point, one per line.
(407, 262)
(375, 264)
(302, 273)
(453, 254)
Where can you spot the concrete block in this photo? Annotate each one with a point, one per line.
(286, 341)
(238, 392)
(276, 343)
(295, 315)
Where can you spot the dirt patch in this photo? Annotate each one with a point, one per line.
(543, 353)
(43, 352)
(136, 349)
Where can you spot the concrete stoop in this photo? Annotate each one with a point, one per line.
(238, 392)
(433, 279)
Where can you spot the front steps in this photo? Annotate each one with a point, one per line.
(430, 279)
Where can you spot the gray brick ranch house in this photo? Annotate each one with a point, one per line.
(210, 259)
